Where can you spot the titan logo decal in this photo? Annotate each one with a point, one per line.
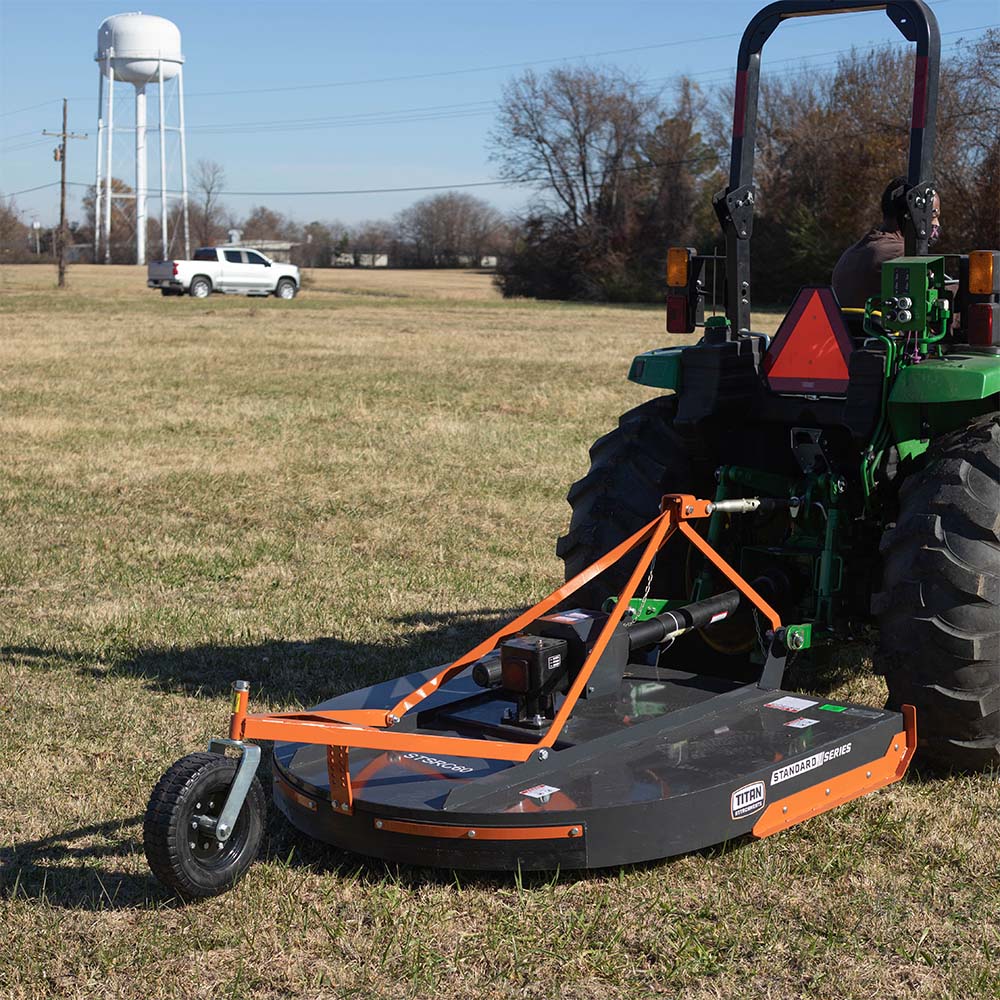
(747, 800)
(798, 767)
(444, 765)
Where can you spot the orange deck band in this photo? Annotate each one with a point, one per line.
(480, 832)
(833, 792)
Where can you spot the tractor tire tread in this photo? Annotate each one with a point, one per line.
(939, 606)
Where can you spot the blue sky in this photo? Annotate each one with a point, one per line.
(337, 61)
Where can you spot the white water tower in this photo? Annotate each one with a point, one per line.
(143, 51)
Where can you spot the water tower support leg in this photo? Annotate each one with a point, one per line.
(97, 182)
(163, 170)
(141, 178)
(107, 160)
(184, 169)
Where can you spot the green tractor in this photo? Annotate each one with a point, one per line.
(877, 429)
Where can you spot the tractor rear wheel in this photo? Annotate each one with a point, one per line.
(631, 468)
(939, 608)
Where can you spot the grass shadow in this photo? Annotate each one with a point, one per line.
(63, 870)
(299, 672)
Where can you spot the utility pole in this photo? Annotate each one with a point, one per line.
(60, 156)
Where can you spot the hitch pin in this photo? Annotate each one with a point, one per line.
(749, 505)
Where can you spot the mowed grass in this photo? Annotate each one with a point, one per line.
(314, 495)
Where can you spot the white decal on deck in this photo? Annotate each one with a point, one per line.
(747, 800)
(790, 704)
(798, 767)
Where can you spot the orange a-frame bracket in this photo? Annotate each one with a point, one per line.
(371, 728)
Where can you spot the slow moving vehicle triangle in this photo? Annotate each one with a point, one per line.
(811, 348)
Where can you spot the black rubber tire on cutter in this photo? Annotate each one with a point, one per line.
(630, 469)
(939, 607)
(192, 862)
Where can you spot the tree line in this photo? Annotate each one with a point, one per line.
(449, 229)
(621, 173)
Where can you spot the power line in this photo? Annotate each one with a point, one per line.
(478, 108)
(41, 187)
(499, 66)
(463, 72)
(30, 107)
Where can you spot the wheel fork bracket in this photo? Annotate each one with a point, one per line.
(222, 828)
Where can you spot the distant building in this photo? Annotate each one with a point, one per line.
(487, 261)
(369, 258)
(278, 250)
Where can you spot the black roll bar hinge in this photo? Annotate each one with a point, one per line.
(736, 208)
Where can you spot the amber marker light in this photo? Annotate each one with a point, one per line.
(983, 272)
(678, 267)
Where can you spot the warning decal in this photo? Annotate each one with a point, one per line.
(790, 704)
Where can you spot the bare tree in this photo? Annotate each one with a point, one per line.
(265, 224)
(209, 183)
(447, 229)
(15, 246)
(574, 133)
(122, 222)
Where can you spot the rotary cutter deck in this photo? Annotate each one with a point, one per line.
(568, 739)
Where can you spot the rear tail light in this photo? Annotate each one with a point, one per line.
(175, 268)
(678, 320)
(983, 328)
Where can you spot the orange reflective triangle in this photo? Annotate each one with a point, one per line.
(811, 347)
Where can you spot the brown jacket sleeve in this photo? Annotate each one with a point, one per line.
(858, 274)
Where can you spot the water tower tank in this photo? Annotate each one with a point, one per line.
(136, 43)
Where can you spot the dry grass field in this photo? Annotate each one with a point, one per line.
(316, 494)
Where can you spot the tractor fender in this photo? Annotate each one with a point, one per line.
(941, 395)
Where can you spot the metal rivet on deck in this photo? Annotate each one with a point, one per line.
(784, 809)
(868, 774)
(334, 803)
(471, 833)
(574, 831)
(543, 754)
(895, 746)
(345, 807)
(828, 791)
(378, 824)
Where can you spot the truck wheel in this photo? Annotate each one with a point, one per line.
(189, 860)
(939, 608)
(286, 289)
(200, 288)
(630, 469)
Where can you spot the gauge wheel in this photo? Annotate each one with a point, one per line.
(181, 854)
(200, 288)
(285, 289)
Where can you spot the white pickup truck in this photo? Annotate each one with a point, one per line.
(231, 270)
